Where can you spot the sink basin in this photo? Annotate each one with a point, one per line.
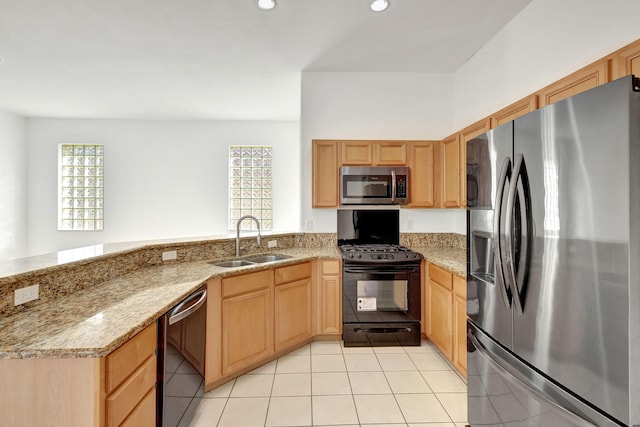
(232, 264)
(267, 258)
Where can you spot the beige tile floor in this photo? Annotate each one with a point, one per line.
(326, 384)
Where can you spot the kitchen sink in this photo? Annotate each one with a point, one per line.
(261, 259)
(268, 258)
(232, 264)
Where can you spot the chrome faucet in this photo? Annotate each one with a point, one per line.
(238, 231)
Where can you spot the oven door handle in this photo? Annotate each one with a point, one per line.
(381, 330)
(382, 269)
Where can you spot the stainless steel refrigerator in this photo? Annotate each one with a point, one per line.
(554, 264)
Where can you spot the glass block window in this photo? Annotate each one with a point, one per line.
(80, 187)
(250, 186)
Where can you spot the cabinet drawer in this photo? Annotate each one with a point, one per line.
(126, 359)
(144, 414)
(440, 276)
(460, 286)
(122, 401)
(292, 273)
(330, 267)
(246, 283)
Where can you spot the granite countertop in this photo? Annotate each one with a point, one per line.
(95, 321)
(451, 259)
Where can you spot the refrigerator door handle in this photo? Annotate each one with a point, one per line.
(517, 282)
(505, 173)
(505, 368)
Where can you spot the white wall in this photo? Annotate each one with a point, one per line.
(13, 186)
(548, 40)
(162, 178)
(374, 106)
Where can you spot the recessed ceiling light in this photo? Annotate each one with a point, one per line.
(379, 5)
(266, 4)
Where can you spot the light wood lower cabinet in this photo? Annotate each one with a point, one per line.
(460, 324)
(251, 317)
(292, 303)
(447, 315)
(439, 329)
(116, 390)
(247, 320)
(328, 298)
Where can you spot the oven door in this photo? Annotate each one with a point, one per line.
(381, 305)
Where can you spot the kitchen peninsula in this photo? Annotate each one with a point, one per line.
(64, 342)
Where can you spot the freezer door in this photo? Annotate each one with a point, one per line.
(503, 391)
(489, 168)
(571, 261)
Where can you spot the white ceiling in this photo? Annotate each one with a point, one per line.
(219, 59)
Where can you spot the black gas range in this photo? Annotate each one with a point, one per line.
(380, 280)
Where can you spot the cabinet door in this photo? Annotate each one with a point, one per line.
(627, 60)
(587, 78)
(439, 330)
(325, 174)
(390, 153)
(357, 153)
(467, 134)
(328, 298)
(460, 324)
(292, 307)
(424, 174)
(451, 171)
(460, 334)
(515, 110)
(246, 329)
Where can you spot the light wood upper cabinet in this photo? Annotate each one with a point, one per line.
(451, 171)
(390, 153)
(467, 134)
(357, 153)
(627, 61)
(424, 174)
(292, 305)
(515, 110)
(325, 165)
(584, 79)
(328, 298)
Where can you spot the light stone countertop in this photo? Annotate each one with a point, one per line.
(95, 321)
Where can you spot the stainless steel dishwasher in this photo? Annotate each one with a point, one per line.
(181, 349)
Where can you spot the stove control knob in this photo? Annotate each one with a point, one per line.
(359, 255)
(350, 255)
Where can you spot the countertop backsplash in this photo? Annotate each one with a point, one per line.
(56, 281)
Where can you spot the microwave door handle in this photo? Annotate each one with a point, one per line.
(393, 186)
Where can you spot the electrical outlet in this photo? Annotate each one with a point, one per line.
(409, 224)
(169, 255)
(272, 243)
(309, 224)
(22, 295)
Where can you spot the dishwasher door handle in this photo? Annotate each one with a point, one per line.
(177, 314)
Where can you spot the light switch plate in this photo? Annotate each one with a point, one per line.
(22, 295)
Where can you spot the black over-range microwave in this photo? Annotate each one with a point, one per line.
(374, 185)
